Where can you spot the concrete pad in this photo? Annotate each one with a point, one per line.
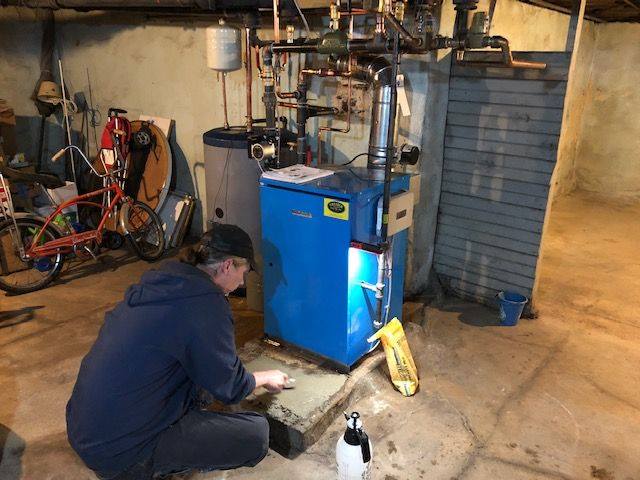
(299, 416)
(312, 389)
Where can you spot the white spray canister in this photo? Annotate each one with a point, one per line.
(354, 452)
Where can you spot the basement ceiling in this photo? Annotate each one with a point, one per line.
(597, 10)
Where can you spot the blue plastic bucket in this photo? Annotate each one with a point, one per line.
(511, 306)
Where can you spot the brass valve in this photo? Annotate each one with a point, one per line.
(334, 12)
(290, 33)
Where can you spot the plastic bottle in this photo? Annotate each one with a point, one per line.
(354, 452)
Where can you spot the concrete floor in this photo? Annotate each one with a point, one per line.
(553, 398)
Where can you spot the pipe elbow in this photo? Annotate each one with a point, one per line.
(376, 71)
(497, 42)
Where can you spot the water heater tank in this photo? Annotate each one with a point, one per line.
(224, 48)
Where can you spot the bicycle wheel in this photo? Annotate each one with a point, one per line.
(144, 231)
(19, 276)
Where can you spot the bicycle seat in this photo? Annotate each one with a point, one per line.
(44, 179)
(116, 111)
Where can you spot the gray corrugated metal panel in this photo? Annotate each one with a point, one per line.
(480, 249)
(493, 229)
(501, 144)
(508, 86)
(551, 74)
(498, 160)
(482, 280)
(540, 153)
(493, 207)
(484, 261)
(503, 123)
(488, 239)
(506, 111)
(543, 140)
(496, 183)
(470, 291)
(509, 173)
(490, 218)
(519, 99)
(465, 270)
(494, 195)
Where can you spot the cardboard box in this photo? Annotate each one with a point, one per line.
(8, 130)
(10, 262)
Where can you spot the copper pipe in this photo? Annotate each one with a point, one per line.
(507, 58)
(276, 20)
(318, 110)
(320, 72)
(287, 104)
(326, 128)
(285, 95)
(257, 56)
(224, 100)
(248, 77)
(324, 72)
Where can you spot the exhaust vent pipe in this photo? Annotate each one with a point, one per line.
(378, 73)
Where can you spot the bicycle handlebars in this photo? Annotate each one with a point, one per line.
(58, 155)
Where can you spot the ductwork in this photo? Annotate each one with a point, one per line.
(378, 73)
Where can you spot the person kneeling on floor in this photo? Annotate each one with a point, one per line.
(135, 411)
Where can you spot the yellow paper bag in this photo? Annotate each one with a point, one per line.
(404, 374)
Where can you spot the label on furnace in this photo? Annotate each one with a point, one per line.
(336, 209)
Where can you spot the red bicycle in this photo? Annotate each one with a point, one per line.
(34, 248)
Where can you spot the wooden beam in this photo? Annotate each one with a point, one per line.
(575, 25)
(560, 8)
(632, 4)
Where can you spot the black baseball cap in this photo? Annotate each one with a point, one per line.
(232, 240)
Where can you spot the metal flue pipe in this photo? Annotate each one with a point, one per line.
(378, 72)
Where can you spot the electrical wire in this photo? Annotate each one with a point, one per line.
(358, 156)
(304, 20)
(224, 180)
(354, 159)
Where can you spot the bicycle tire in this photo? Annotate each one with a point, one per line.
(47, 276)
(138, 236)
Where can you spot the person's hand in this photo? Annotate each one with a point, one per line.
(272, 380)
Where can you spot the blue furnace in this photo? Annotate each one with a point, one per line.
(317, 241)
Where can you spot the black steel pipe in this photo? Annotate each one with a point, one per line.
(386, 192)
(269, 97)
(386, 195)
(301, 121)
(306, 46)
(410, 40)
